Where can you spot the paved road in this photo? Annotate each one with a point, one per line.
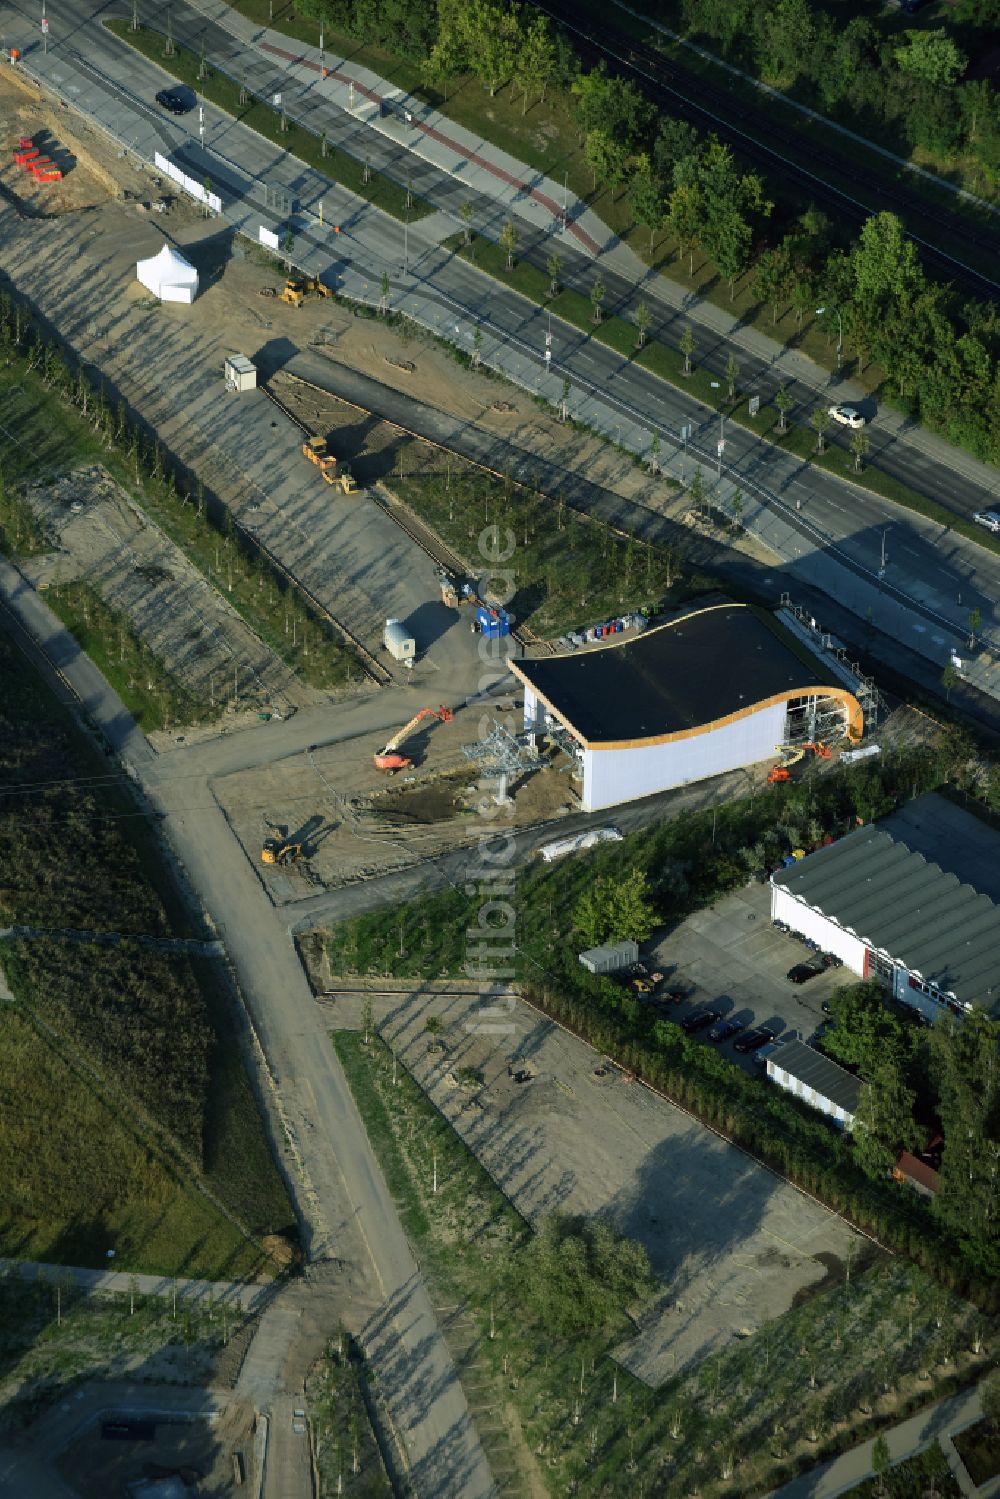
(344, 1204)
(249, 1294)
(905, 1440)
(932, 570)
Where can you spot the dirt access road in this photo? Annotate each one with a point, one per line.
(345, 1208)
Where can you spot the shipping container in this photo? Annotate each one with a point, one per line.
(612, 957)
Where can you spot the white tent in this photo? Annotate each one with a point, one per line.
(169, 276)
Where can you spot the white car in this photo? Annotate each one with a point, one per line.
(988, 518)
(847, 416)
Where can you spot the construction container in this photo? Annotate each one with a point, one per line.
(612, 957)
(241, 373)
(398, 641)
(493, 623)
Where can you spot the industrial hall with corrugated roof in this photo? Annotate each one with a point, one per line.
(913, 900)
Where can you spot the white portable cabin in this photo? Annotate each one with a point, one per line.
(612, 957)
(241, 373)
(398, 641)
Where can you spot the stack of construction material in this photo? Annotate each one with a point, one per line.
(28, 156)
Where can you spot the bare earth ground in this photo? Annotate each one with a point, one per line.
(198, 1451)
(735, 1245)
(356, 821)
(106, 540)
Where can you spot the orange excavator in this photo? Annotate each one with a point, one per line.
(389, 758)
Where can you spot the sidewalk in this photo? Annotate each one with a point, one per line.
(249, 1294)
(416, 127)
(933, 1424)
(459, 153)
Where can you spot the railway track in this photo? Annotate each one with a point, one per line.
(674, 88)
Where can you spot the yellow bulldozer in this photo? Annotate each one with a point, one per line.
(297, 288)
(317, 451)
(277, 852)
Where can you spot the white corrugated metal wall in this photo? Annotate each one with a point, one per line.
(621, 775)
(811, 923)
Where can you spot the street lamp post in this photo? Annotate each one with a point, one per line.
(840, 331)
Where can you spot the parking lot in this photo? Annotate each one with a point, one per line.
(730, 959)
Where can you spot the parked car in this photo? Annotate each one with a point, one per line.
(642, 986)
(826, 1007)
(725, 1029)
(803, 972)
(990, 519)
(699, 1020)
(752, 1040)
(171, 100)
(767, 1051)
(847, 416)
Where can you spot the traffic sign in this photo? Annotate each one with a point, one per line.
(45, 24)
(686, 431)
(548, 340)
(720, 446)
(754, 405)
(276, 100)
(548, 356)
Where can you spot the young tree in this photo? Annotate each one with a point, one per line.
(536, 63)
(612, 910)
(881, 1463)
(597, 294)
(493, 41)
(646, 200)
(771, 278)
(975, 620)
(732, 202)
(383, 301)
(696, 491)
(782, 401)
(465, 214)
(687, 347)
(641, 318)
(288, 246)
(819, 420)
(732, 374)
(477, 346)
(606, 157)
(860, 446)
(654, 454)
(736, 509)
(932, 57)
(508, 241)
(686, 219)
(785, 34)
(553, 267)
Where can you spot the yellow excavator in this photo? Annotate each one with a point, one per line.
(297, 288)
(390, 758)
(317, 451)
(275, 851)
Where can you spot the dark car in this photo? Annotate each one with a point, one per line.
(751, 1040)
(171, 100)
(826, 1007)
(699, 1020)
(726, 1029)
(803, 972)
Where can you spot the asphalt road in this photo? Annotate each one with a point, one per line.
(931, 567)
(345, 1208)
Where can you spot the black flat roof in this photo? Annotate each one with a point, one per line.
(713, 664)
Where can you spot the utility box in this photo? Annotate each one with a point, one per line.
(612, 957)
(398, 641)
(241, 373)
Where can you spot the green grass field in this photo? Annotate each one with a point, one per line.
(126, 1096)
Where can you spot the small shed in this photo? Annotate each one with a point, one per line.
(612, 957)
(241, 373)
(811, 1076)
(398, 641)
(916, 1174)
